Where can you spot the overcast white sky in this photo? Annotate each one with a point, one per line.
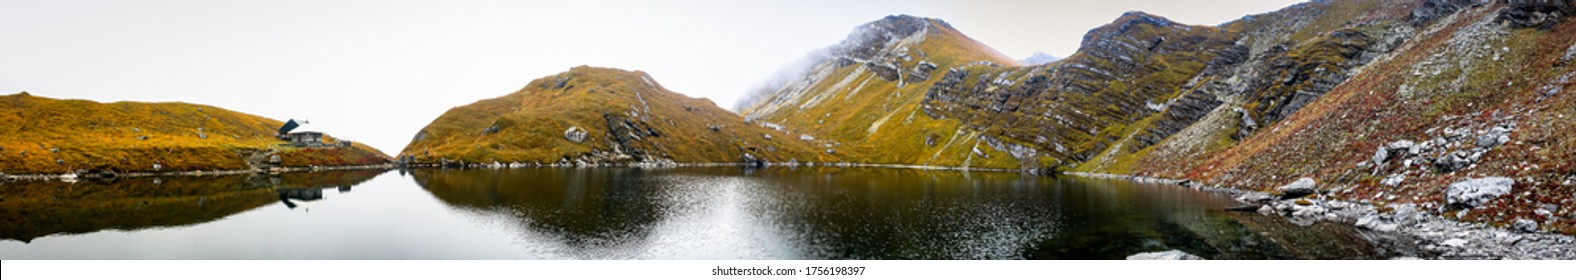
(378, 71)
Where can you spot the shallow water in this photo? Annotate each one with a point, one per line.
(633, 213)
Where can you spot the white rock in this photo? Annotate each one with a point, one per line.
(1476, 192)
(1525, 225)
(1393, 180)
(1166, 255)
(1405, 214)
(1302, 187)
(1455, 242)
(575, 134)
(1373, 222)
(1266, 210)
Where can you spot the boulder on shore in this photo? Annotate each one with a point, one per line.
(1165, 255)
(1302, 187)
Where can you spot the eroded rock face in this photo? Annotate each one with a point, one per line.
(1434, 9)
(1051, 107)
(575, 134)
(1535, 13)
(1476, 192)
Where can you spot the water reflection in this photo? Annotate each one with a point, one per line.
(633, 213)
(866, 213)
(35, 209)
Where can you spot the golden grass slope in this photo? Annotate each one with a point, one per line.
(624, 113)
(875, 120)
(45, 135)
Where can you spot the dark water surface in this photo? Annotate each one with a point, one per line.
(631, 213)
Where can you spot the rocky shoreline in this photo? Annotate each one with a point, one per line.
(663, 164)
(193, 173)
(1408, 233)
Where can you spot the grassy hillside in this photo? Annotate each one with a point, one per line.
(44, 135)
(626, 118)
(877, 117)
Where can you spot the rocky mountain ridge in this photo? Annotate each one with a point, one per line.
(1379, 100)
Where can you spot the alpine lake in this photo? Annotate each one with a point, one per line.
(644, 213)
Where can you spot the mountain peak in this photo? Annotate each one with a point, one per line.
(902, 24)
(1143, 17)
(877, 34)
(1126, 22)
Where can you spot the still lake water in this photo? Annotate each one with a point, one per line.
(634, 213)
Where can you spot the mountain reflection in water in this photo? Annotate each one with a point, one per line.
(645, 213)
(36, 209)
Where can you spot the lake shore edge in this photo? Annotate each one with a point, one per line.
(709, 164)
(190, 173)
(1434, 236)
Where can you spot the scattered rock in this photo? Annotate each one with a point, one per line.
(1487, 141)
(1302, 187)
(1381, 156)
(1255, 197)
(1165, 255)
(1405, 214)
(275, 159)
(1402, 146)
(1267, 210)
(575, 134)
(1453, 161)
(1393, 180)
(1476, 192)
(752, 161)
(1375, 223)
(1570, 55)
(1525, 225)
(1454, 242)
(143, 137)
(1308, 211)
